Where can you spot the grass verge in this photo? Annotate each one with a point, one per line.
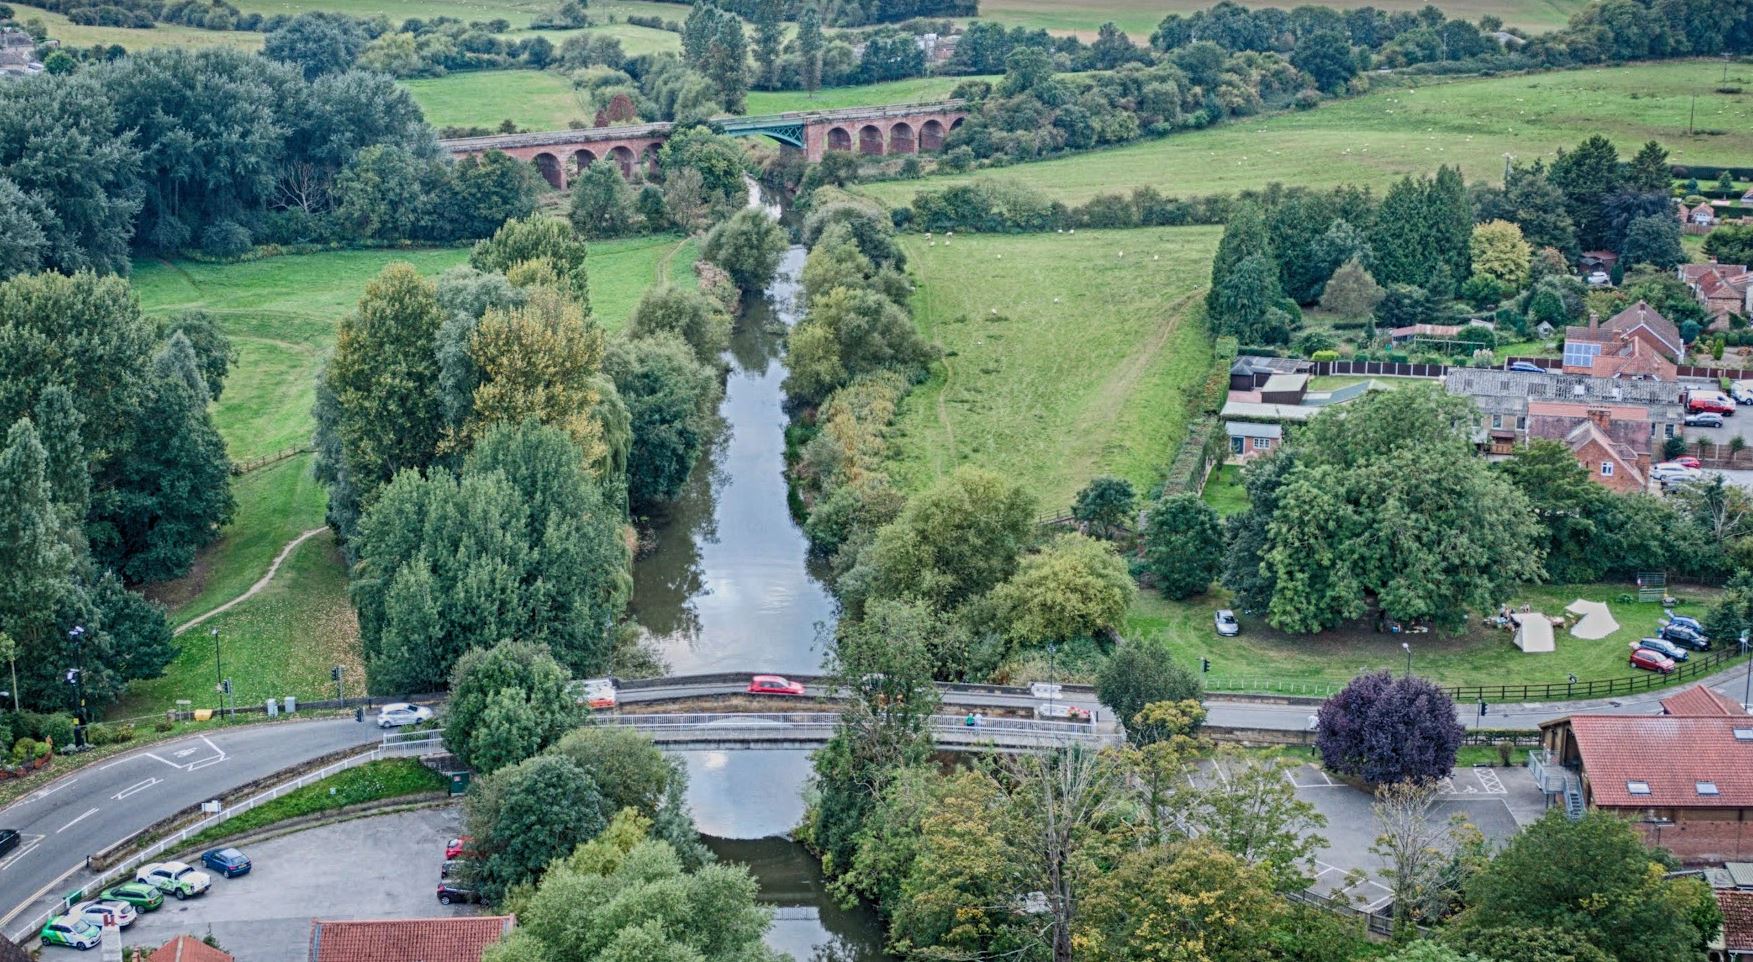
(370, 782)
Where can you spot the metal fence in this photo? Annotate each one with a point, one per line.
(1379, 922)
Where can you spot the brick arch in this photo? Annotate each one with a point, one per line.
(583, 158)
(839, 138)
(957, 122)
(902, 139)
(622, 156)
(931, 135)
(649, 158)
(551, 169)
(870, 140)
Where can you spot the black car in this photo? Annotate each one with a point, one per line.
(1684, 637)
(1664, 646)
(450, 893)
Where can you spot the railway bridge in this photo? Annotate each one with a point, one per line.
(872, 131)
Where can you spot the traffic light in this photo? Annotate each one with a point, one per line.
(335, 673)
(225, 686)
(1204, 665)
(72, 676)
(1481, 708)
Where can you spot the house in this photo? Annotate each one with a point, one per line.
(1250, 372)
(1250, 440)
(1611, 443)
(18, 54)
(187, 948)
(1640, 321)
(460, 938)
(1723, 289)
(1703, 215)
(1701, 700)
(1423, 332)
(1515, 406)
(1735, 942)
(1285, 389)
(1684, 780)
(1598, 261)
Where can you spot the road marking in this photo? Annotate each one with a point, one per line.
(27, 903)
(76, 821)
(203, 763)
(21, 853)
(135, 788)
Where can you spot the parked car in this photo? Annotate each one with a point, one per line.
(774, 685)
(598, 693)
(1704, 419)
(1684, 637)
(71, 931)
(1526, 367)
(1650, 660)
(401, 713)
(100, 913)
(1709, 402)
(1687, 461)
(1662, 645)
(1227, 625)
(228, 862)
(144, 897)
(1062, 711)
(450, 893)
(1742, 392)
(1598, 279)
(174, 878)
(454, 847)
(1683, 621)
(9, 838)
(1670, 472)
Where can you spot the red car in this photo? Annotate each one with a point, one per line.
(1705, 402)
(774, 685)
(1688, 461)
(454, 847)
(1651, 661)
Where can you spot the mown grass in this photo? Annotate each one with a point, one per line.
(370, 782)
(163, 35)
(534, 99)
(1139, 17)
(911, 90)
(1083, 370)
(1264, 659)
(1380, 137)
(1224, 491)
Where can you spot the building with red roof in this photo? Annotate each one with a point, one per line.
(459, 938)
(1735, 944)
(1684, 778)
(187, 948)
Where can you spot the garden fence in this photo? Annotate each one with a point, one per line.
(256, 464)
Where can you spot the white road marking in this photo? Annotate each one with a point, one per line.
(76, 821)
(21, 853)
(43, 793)
(136, 788)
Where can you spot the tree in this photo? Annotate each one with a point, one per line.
(1104, 505)
(1654, 241)
(725, 61)
(602, 202)
(1426, 864)
(1136, 675)
(23, 245)
(1241, 303)
(1326, 57)
(1500, 253)
(507, 703)
(522, 817)
(537, 238)
(1568, 505)
(318, 42)
(687, 314)
(809, 47)
(1351, 292)
(214, 353)
(1187, 902)
(540, 362)
(1385, 729)
(1727, 244)
(1648, 169)
(1587, 176)
(748, 246)
(953, 542)
(1522, 943)
(1183, 545)
(769, 37)
(1594, 878)
(850, 332)
(1074, 587)
(672, 401)
(1245, 235)
(1252, 812)
(1422, 224)
(35, 560)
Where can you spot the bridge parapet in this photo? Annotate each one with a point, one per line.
(731, 730)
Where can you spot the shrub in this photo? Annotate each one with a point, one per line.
(24, 750)
(1385, 729)
(225, 238)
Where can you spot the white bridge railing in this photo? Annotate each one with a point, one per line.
(948, 730)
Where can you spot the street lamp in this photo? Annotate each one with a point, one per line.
(218, 668)
(1408, 649)
(76, 677)
(1747, 692)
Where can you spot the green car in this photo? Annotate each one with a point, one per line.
(142, 895)
(71, 931)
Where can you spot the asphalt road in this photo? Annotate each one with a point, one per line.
(97, 806)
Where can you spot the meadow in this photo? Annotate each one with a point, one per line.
(911, 90)
(1382, 136)
(531, 99)
(1066, 356)
(163, 35)
(1140, 17)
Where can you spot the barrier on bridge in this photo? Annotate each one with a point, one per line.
(949, 731)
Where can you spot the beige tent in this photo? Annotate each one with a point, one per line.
(1533, 632)
(1594, 620)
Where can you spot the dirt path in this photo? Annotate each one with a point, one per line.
(256, 588)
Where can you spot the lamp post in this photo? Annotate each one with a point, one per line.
(76, 676)
(1747, 691)
(1408, 648)
(218, 667)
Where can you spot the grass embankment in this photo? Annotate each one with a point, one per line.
(1139, 17)
(1264, 659)
(370, 782)
(1379, 137)
(1084, 370)
(533, 99)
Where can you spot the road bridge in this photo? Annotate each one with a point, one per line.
(807, 730)
(560, 155)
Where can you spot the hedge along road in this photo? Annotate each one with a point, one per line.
(96, 807)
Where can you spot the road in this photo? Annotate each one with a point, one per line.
(97, 806)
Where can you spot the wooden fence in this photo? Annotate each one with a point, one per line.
(256, 464)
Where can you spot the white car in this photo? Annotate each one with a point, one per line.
(1741, 392)
(101, 913)
(596, 693)
(1670, 473)
(401, 713)
(174, 878)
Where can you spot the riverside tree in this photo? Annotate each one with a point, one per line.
(748, 246)
(507, 703)
(1183, 545)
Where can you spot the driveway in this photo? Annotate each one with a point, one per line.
(370, 868)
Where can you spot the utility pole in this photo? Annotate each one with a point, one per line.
(76, 676)
(1692, 120)
(1747, 691)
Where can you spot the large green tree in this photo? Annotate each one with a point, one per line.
(1139, 674)
(953, 542)
(507, 703)
(1183, 545)
(1074, 587)
(748, 246)
(523, 817)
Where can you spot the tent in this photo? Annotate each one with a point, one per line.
(1533, 632)
(1594, 621)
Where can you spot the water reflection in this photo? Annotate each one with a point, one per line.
(745, 803)
(728, 585)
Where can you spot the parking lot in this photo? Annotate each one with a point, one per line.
(380, 867)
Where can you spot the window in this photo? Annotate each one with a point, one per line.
(1744, 734)
(1668, 430)
(1521, 424)
(1638, 788)
(1606, 469)
(1261, 444)
(1497, 420)
(1705, 788)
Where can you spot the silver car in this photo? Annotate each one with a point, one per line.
(401, 713)
(1227, 625)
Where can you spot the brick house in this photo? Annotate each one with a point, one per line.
(1703, 215)
(1515, 406)
(1684, 779)
(1611, 443)
(187, 948)
(461, 938)
(1723, 289)
(1250, 440)
(1640, 322)
(1735, 942)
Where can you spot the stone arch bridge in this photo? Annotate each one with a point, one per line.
(873, 131)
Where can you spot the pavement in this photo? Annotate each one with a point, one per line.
(96, 806)
(383, 867)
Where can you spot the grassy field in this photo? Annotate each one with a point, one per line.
(1139, 17)
(1224, 491)
(912, 90)
(535, 99)
(163, 35)
(1263, 659)
(517, 12)
(370, 782)
(1082, 371)
(1382, 136)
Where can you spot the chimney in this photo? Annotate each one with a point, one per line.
(1594, 322)
(112, 942)
(1602, 417)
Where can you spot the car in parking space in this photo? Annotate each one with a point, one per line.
(228, 862)
(1670, 472)
(1683, 621)
(1684, 637)
(1526, 367)
(397, 714)
(774, 685)
(1742, 392)
(1227, 625)
(175, 878)
(1650, 660)
(101, 913)
(70, 931)
(1712, 402)
(1662, 645)
(1686, 461)
(1704, 419)
(142, 896)
(454, 848)
(450, 893)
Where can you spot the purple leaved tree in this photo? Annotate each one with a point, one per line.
(1386, 729)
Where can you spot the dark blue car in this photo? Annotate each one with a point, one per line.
(228, 862)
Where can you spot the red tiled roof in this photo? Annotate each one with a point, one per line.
(1737, 906)
(187, 948)
(1702, 701)
(459, 939)
(1671, 754)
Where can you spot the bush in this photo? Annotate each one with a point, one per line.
(111, 734)
(24, 750)
(1385, 729)
(57, 728)
(225, 238)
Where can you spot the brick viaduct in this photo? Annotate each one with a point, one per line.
(875, 131)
